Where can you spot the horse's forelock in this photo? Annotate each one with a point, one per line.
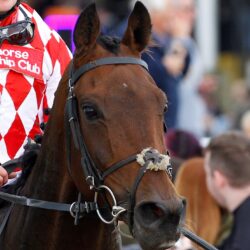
(112, 44)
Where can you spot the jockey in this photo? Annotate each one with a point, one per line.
(32, 60)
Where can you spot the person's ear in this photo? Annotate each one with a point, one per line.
(220, 180)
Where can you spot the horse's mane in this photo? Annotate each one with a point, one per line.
(27, 161)
(112, 44)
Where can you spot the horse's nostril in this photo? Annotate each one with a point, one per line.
(157, 211)
(150, 212)
(153, 213)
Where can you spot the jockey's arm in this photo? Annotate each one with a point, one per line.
(3, 176)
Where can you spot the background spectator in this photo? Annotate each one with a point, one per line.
(161, 15)
(227, 170)
(183, 49)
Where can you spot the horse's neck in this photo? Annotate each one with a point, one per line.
(92, 235)
(50, 177)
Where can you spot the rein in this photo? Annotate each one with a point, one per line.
(85, 207)
(198, 240)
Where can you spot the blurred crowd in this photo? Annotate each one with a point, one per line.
(201, 105)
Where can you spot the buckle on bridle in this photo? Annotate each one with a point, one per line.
(75, 209)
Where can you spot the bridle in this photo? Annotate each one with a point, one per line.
(93, 175)
(149, 159)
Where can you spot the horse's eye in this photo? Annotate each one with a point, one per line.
(90, 112)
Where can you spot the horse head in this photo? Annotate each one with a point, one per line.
(116, 116)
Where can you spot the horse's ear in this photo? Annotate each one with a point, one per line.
(138, 32)
(87, 29)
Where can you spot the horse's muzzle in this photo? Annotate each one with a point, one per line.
(156, 224)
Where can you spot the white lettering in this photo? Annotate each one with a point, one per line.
(24, 65)
(25, 55)
(16, 53)
(36, 69)
(7, 62)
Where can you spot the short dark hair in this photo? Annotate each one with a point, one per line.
(230, 154)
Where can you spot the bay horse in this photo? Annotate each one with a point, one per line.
(102, 152)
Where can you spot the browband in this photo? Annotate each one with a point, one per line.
(105, 61)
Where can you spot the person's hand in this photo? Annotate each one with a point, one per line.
(4, 176)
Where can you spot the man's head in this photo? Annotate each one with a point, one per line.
(227, 164)
(6, 5)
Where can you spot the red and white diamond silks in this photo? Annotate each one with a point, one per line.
(29, 76)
